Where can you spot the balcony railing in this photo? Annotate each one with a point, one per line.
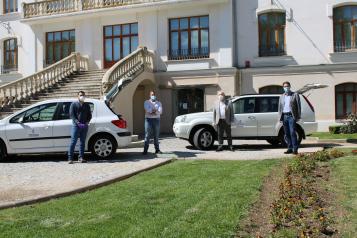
(5, 69)
(52, 7)
(272, 50)
(341, 46)
(194, 53)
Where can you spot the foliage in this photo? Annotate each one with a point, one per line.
(335, 129)
(351, 126)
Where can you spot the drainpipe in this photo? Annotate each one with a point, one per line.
(235, 44)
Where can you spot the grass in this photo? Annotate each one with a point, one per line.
(328, 135)
(344, 176)
(182, 199)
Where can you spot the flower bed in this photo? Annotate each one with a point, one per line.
(300, 206)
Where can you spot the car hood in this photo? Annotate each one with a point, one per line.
(193, 116)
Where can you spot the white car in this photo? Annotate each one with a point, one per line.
(256, 118)
(45, 127)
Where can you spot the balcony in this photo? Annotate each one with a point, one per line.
(184, 54)
(5, 69)
(272, 50)
(345, 46)
(53, 7)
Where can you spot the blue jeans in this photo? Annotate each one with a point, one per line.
(152, 128)
(76, 133)
(290, 132)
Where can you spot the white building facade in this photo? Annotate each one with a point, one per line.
(200, 47)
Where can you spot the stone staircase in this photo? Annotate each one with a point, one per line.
(88, 81)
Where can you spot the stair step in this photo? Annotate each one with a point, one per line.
(136, 144)
(134, 138)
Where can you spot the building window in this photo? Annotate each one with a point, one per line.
(10, 6)
(271, 89)
(119, 41)
(59, 45)
(190, 101)
(345, 28)
(189, 38)
(10, 56)
(346, 103)
(272, 34)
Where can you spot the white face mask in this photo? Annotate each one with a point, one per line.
(221, 98)
(82, 98)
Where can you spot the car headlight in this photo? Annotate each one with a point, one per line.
(183, 119)
(180, 119)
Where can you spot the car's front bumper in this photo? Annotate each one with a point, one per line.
(182, 130)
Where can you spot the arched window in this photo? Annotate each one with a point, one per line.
(10, 6)
(345, 28)
(346, 103)
(272, 34)
(10, 55)
(271, 89)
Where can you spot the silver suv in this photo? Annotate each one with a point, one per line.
(256, 118)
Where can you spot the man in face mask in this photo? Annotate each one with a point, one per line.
(153, 111)
(289, 114)
(223, 117)
(81, 115)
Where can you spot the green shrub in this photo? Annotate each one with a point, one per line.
(351, 126)
(335, 129)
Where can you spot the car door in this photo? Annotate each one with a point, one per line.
(245, 123)
(32, 129)
(267, 115)
(62, 126)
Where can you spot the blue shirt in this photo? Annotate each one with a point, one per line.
(80, 113)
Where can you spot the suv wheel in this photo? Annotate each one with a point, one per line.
(274, 142)
(283, 141)
(3, 154)
(203, 139)
(103, 147)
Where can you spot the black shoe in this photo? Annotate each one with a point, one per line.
(220, 148)
(295, 152)
(158, 152)
(288, 152)
(231, 148)
(80, 160)
(145, 153)
(70, 161)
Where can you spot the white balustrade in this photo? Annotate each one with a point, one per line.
(24, 88)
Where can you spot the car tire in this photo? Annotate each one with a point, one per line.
(203, 139)
(103, 147)
(274, 142)
(283, 141)
(3, 153)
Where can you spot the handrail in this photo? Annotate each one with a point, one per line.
(23, 88)
(51, 7)
(125, 70)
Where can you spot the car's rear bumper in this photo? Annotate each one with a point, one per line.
(182, 130)
(310, 127)
(123, 139)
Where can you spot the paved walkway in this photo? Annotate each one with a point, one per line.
(245, 150)
(31, 178)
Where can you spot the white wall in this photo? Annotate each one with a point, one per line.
(309, 36)
(153, 33)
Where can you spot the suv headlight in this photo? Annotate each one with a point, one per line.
(180, 119)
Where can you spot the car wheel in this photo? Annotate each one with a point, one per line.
(203, 139)
(283, 141)
(3, 153)
(274, 142)
(103, 147)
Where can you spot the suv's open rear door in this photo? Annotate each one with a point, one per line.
(309, 87)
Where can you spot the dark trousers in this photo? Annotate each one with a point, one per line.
(290, 132)
(224, 127)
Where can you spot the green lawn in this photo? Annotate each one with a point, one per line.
(182, 199)
(328, 135)
(344, 174)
